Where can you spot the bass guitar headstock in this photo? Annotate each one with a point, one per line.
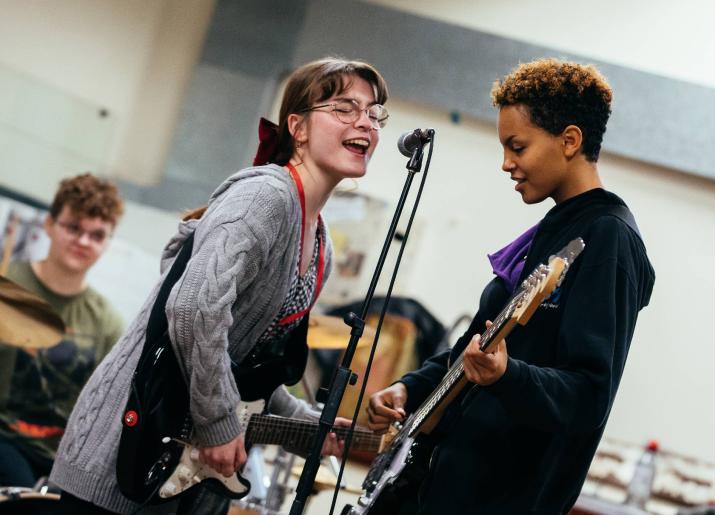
(542, 282)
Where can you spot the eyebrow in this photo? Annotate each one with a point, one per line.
(508, 140)
(347, 99)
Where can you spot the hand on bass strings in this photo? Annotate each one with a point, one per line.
(386, 406)
(484, 368)
(226, 459)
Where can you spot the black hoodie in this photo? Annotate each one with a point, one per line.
(524, 444)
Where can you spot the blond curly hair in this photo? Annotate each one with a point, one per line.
(558, 94)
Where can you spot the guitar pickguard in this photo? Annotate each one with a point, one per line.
(190, 471)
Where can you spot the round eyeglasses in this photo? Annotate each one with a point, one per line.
(75, 230)
(348, 111)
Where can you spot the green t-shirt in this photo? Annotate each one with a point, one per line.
(41, 390)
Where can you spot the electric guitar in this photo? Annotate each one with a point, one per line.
(157, 458)
(397, 471)
(293, 434)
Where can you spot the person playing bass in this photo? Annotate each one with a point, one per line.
(522, 442)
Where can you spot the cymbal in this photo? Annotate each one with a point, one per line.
(26, 320)
(328, 332)
(324, 480)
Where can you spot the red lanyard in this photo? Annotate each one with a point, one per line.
(321, 251)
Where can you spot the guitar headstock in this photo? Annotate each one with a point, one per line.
(542, 282)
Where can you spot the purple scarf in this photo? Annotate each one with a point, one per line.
(508, 262)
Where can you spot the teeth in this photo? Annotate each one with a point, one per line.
(359, 142)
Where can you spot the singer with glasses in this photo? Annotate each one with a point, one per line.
(522, 442)
(37, 392)
(261, 254)
(349, 111)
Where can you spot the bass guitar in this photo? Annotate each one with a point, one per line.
(396, 472)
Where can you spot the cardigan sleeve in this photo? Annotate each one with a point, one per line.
(231, 245)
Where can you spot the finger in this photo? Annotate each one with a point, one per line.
(385, 411)
(475, 355)
(342, 422)
(378, 426)
(330, 445)
(241, 458)
(227, 470)
(380, 420)
(470, 371)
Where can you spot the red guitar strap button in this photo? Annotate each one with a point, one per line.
(131, 418)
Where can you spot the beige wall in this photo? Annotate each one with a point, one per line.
(673, 39)
(133, 57)
(469, 208)
(667, 388)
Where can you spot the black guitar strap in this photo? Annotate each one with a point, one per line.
(158, 324)
(150, 414)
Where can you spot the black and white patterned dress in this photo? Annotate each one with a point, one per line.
(299, 298)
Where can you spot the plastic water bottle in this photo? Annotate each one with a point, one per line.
(641, 485)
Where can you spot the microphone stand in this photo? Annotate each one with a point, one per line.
(343, 375)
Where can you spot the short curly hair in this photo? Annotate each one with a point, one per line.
(88, 196)
(558, 94)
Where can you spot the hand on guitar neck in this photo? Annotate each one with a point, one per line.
(333, 446)
(230, 457)
(485, 366)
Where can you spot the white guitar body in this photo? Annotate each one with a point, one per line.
(190, 471)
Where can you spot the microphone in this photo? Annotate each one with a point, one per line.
(411, 141)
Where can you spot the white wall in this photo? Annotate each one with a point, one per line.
(673, 39)
(469, 209)
(667, 387)
(133, 57)
(125, 54)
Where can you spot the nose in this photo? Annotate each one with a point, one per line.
(507, 164)
(84, 238)
(363, 120)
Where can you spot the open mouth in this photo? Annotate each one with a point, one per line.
(357, 146)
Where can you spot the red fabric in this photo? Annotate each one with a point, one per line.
(35, 430)
(268, 142)
(321, 252)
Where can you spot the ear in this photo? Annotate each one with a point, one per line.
(296, 127)
(572, 139)
(49, 223)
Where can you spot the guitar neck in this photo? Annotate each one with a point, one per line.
(425, 418)
(298, 434)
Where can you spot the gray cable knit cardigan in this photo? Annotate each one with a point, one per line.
(245, 252)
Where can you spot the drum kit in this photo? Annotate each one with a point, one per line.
(29, 324)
